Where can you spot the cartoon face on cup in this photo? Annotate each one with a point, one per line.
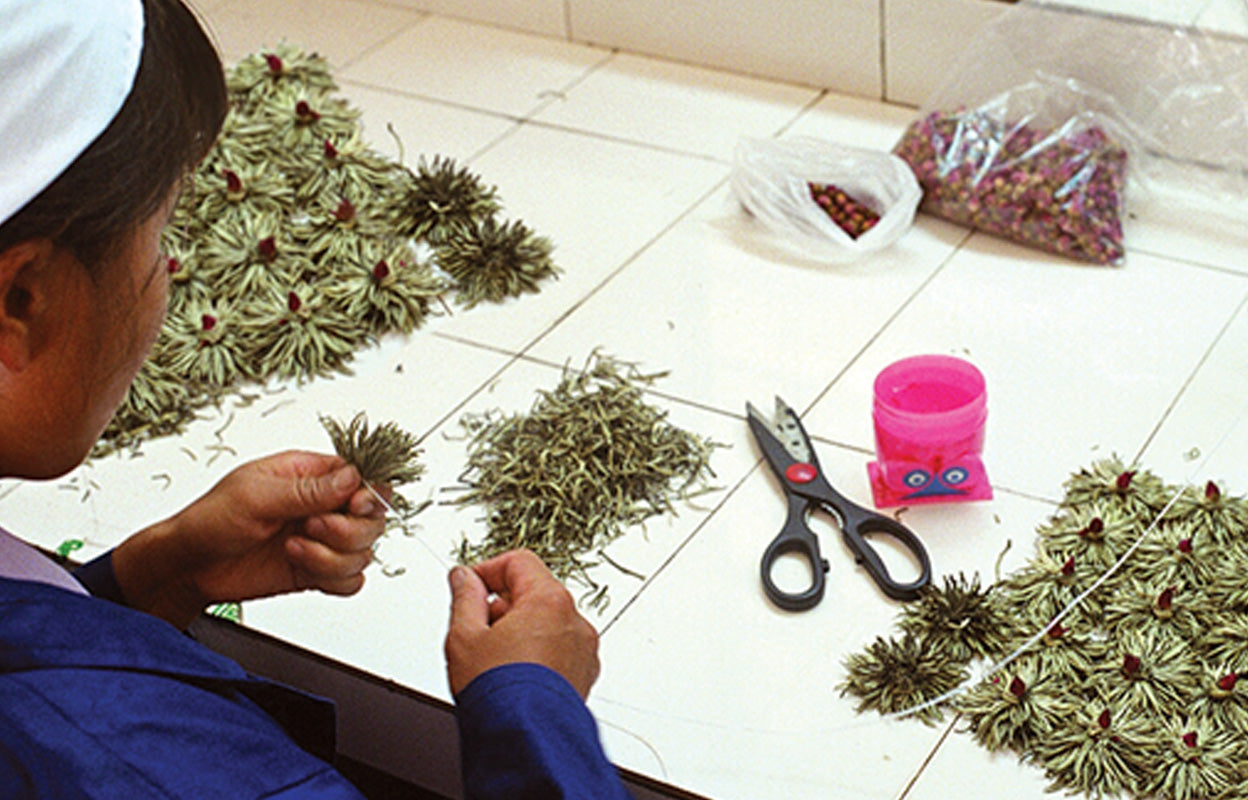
(929, 414)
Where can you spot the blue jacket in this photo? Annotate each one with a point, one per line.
(101, 701)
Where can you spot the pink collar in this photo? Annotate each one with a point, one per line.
(22, 562)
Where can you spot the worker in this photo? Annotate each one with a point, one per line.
(105, 105)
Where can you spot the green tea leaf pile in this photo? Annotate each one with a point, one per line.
(589, 459)
(295, 245)
(1137, 692)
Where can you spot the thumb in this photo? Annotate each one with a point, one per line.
(470, 605)
(305, 495)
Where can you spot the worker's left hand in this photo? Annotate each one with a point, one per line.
(284, 523)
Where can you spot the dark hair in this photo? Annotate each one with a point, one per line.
(166, 126)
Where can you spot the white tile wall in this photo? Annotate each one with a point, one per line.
(890, 50)
(923, 41)
(547, 17)
(814, 42)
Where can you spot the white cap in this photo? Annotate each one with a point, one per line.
(66, 68)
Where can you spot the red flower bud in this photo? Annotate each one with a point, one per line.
(1124, 481)
(275, 64)
(208, 322)
(331, 152)
(1103, 720)
(233, 183)
(305, 113)
(345, 211)
(1227, 682)
(1018, 688)
(1131, 665)
(1057, 631)
(1093, 528)
(173, 265)
(1212, 492)
(1189, 738)
(1166, 599)
(293, 302)
(268, 248)
(1185, 546)
(381, 271)
(1068, 569)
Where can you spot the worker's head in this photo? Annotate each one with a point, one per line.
(104, 108)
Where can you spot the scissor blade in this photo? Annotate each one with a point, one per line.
(781, 438)
(789, 432)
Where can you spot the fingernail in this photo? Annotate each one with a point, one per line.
(345, 478)
(368, 508)
(457, 578)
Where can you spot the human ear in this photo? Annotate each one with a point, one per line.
(22, 300)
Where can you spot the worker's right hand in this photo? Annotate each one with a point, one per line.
(531, 619)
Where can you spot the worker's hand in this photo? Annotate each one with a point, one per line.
(531, 618)
(280, 524)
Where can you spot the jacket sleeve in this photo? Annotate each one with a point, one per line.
(525, 734)
(98, 578)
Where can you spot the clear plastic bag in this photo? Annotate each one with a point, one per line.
(791, 186)
(1057, 113)
(996, 167)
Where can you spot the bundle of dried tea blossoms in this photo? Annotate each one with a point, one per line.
(295, 245)
(1137, 691)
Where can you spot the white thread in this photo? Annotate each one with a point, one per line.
(899, 715)
(1027, 645)
(403, 523)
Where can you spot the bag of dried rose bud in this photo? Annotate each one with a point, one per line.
(1056, 112)
(1058, 187)
(825, 201)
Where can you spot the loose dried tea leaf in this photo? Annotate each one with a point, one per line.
(894, 675)
(386, 454)
(588, 460)
(495, 260)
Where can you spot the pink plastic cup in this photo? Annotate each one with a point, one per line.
(929, 413)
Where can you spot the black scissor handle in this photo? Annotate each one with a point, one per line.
(857, 523)
(795, 538)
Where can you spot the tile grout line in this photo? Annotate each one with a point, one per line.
(1191, 377)
(888, 322)
(629, 261)
(420, 19)
(883, 40)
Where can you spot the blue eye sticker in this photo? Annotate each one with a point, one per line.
(917, 478)
(954, 476)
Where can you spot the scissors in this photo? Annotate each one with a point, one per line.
(787, 449)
